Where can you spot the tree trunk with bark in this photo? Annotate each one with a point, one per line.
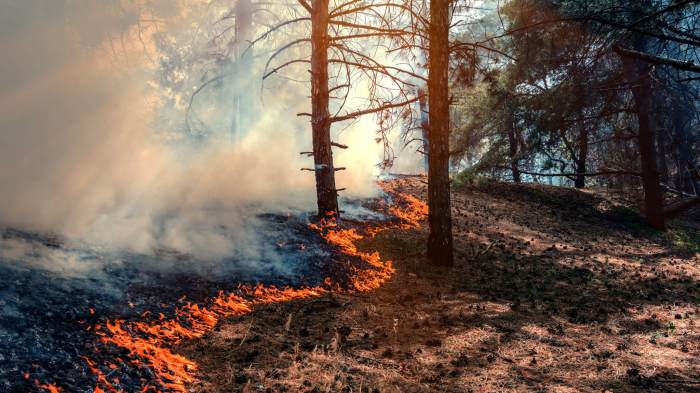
(638, 73)
(581, 160)
(638, 76)
(440, 250)
(513, 149)
(326, 193)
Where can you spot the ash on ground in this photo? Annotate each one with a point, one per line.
(52, 290)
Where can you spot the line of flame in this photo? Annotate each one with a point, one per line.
(148, 343)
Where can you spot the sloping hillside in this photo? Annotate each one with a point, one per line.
(554, 290)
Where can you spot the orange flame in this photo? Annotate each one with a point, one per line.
(51, 388)
(148, 343)
(409, 210)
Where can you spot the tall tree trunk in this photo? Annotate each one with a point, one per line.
(639, 78)
(513, 149)
(440, 214)
(582, 159)
(326, 193)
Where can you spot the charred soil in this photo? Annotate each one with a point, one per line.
(554, 290)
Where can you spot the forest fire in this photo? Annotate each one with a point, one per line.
(407, 208)
(52, 388)
(147, 343)
(233, 178)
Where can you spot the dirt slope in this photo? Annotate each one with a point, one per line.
(554, 290)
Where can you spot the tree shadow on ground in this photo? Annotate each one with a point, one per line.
(515, 314)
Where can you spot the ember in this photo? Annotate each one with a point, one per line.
(52, 388)
(145, 343)
(407, 208)
(149, 342)
(125, 318)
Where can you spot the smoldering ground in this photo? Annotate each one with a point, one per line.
(119, 195)
(87, 154)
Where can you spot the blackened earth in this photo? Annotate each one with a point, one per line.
(52, 290)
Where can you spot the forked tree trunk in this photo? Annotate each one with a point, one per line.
(326, 193)
(639, 78)
(440, 214)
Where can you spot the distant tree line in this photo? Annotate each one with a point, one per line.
(595, 92)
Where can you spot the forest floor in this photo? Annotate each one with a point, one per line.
(554, 290)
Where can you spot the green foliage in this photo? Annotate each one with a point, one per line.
(464, 178)
(684, 239)
(556, 99)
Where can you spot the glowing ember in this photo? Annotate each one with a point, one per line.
(407, 208)
(51, 388)
(148, 343)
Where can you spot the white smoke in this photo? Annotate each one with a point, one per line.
(83, 154)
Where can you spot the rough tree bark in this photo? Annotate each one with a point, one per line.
(326, 193)
(659, 124)
(581, 160)
(513, 149)
(638, 76)
(580, 155)
(440, 250)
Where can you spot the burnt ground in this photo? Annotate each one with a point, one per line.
(54, 290)
(555, 290)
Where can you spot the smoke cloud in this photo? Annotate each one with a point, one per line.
(85, 153)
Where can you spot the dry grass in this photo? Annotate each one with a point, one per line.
(554, 291)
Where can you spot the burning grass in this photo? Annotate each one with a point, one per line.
(147, 343)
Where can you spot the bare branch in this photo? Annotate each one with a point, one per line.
(403, 7)
(284, 65)
(338, 145)
(306, 6)
(592, 174)
(678, 64)
(283, 48)
(354, 115)
(273, 29)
